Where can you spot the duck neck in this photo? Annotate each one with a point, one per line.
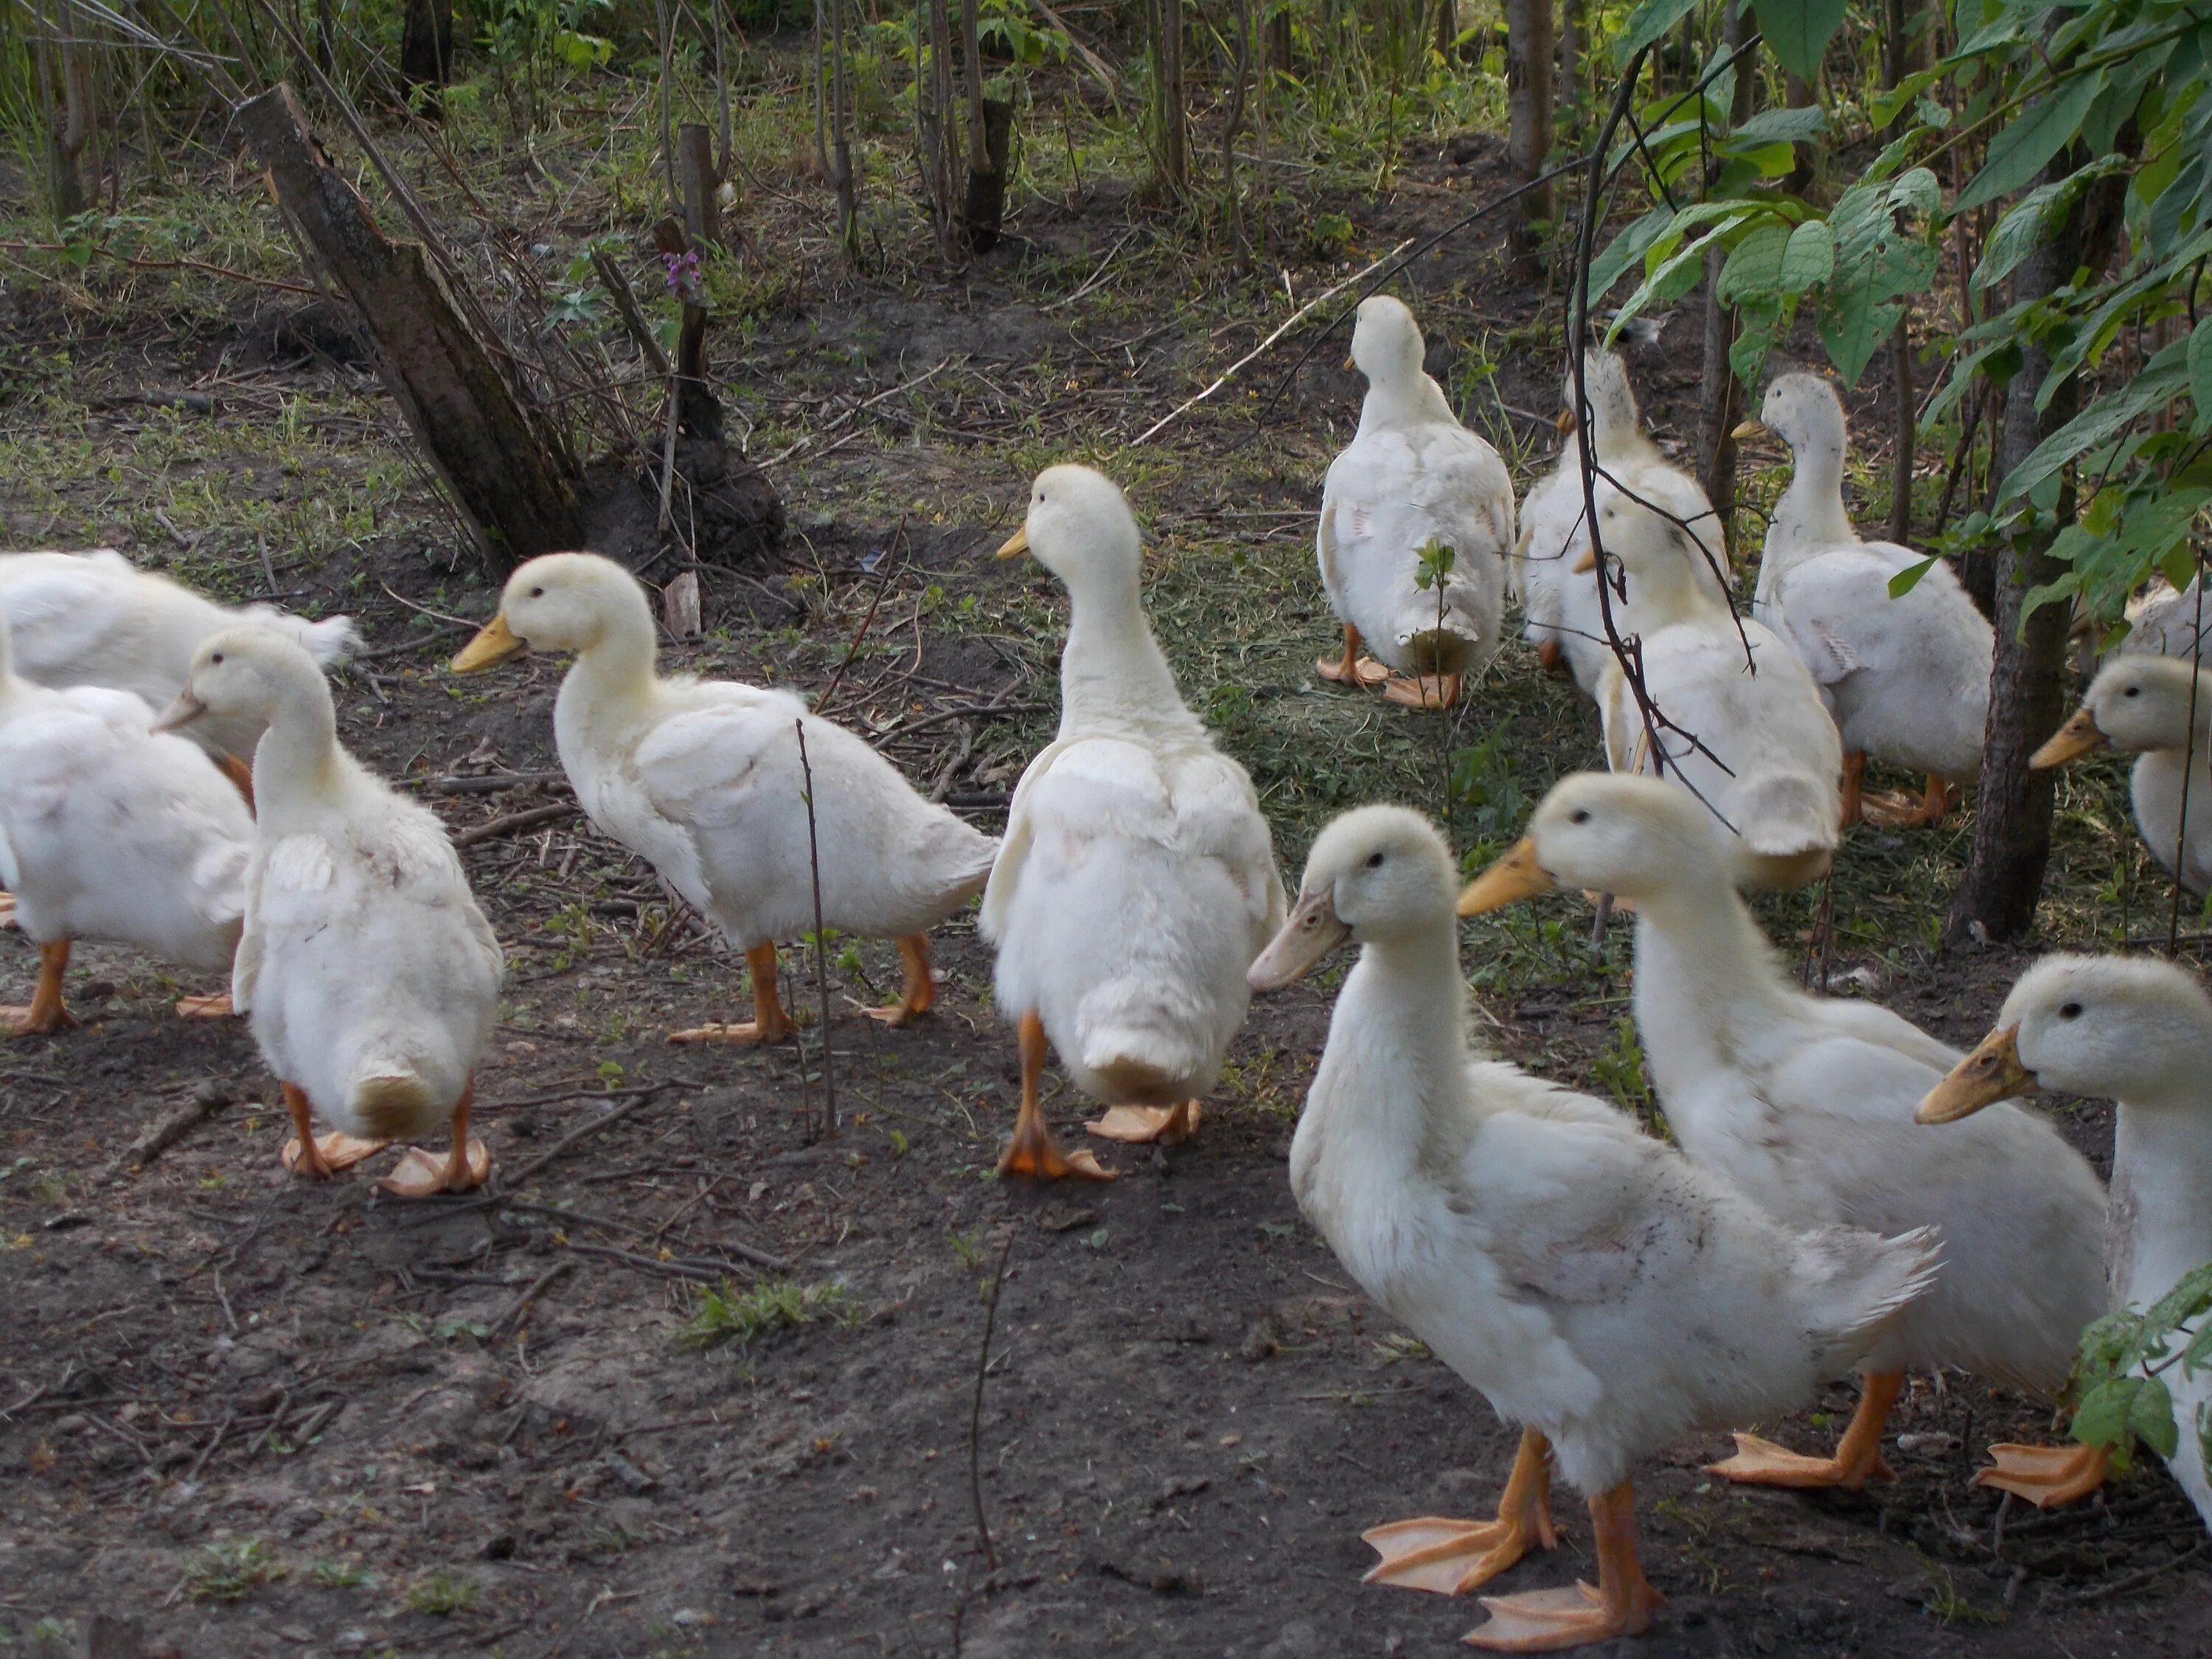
(1702, 973)
(1112, 674)
(1403, 400)
(614, 678)
(1614, 432)
(2161, 1169)
(1659, 597)
(1810, 515)
(299, 766)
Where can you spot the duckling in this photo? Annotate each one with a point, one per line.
(1592, 1283)
(109, 831)
(703, 779)
(369, 976)
(1558, 594)
(1740, 725)
(2135, 1030)
(94, 618)
(1807, 1102)
(1138, 878)
(2161, 709)
(1412, 479)
(1907, 678)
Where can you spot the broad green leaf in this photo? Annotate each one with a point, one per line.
(1886, 106)
(1624, 251)
(1647, 23)
(1753, 269)
(1799, 31)
(1784, 126)
(2102, 1418)
(1810, 257)
(2026, 147)
(2150, 1417)
(2163, 377)
(2200, 372)
(1909, 578)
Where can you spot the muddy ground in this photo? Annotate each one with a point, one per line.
(267, 1418)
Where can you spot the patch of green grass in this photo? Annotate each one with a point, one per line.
(232, 1569)
(729, 1315)
(331, 1574)
(441, 1593)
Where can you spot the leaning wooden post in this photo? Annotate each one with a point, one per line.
(483, 440)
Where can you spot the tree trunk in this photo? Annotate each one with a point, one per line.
(990, 145)
(1278, 31)
(701, 186)
(480, 438)
(1798, 94)
(426, 53)
(1528, 105)
(1447, 28)
(1571, 37)
(1171, 117)
(67, 88)
(1998, 895)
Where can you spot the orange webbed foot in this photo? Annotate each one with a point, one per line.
(422, 1174)
(323, 1157)
(1033, 1152)
(1169, 1126)
(217, 1006)
(1427, 691)
(1545, 1621)
(2046, 1476)
(1759, 1462)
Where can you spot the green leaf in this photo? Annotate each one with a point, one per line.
(2162, 378)
(1753, 269)
(1624, 251)
(1810, 257)
(2200, 373)
(1799, 31)
(1909, 578)
(1647, 23)
(2150, 1417)
(1886, 106)
(1782, 126)
(2102, 1418)
(2026, 147)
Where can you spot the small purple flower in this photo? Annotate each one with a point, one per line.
(683, 270)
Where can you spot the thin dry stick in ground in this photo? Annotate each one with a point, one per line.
(821, 943)
(975, 1409)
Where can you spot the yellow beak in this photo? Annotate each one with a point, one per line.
(1516, 876)
(2080, 736)
(1350, 362)
(1992, 1072)
(495, 643)
(1588, 562)
(183, 710)
(1566, 422)
(1310, 932)
(1016, 544)
(1751, 428)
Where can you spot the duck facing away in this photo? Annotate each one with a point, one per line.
(94, 618)
(705, 780)
(111, 830)
(1907, 676)
(2135, 1030)
(1138, 878)
(1736, 721)
(2160, 709)
(1558, 594)
(1592, 1283)
(370, 976)
(1807, 1103)
(1412, 479)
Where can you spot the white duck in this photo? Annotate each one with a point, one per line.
(1740, 724)
(370, 976)
(2135, 1030)
(109, 831)
(95, 619)
(1594, 1285)
(1907, 678)
(2160, 709)
(1138, 878)
(2165, 622)
(1560, 598)
(1807, 1103)
(1411, 478)
(704, 780)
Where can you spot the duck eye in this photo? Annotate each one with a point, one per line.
(1375, 861)
(2070, 1010)
(537, 592)
(1580, 815)
(216, 657)
(2132, 690)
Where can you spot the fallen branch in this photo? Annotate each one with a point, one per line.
(514, 1314)
(529, 818)
(206, 1101)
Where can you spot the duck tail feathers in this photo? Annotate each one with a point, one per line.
(1143, 1050)
(1783, 814)
(330, 641)
(1856, 1282)
(392, 1105)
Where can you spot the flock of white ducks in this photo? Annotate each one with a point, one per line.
(1609, 1292)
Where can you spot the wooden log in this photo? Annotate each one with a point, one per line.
(702, 184)
(483, 440)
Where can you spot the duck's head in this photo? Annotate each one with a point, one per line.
(1375, 874)
(2134, 703)
(2124, 1028)
(1386, 341)
(1079, 527)
(1805, 412)
(243, 673)
(1613, 400)
(1651, 547)
(557, 602)
(1608, 833)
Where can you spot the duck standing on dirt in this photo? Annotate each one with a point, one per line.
(2161, 709)
(1138, 877)
(706, 781)
(1594, 1285)
(370, 976)
(1558, 591)
(2135, 1030)
(1807, 1103)
(1412, 481)
(1906, 676)
(94, 618)
(110, 831)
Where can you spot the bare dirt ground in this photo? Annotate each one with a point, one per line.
(268, 1418)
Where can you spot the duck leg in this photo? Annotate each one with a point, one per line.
(1895, 809)
(1352, 668)
(1448, 1557)
(2044, 1476)
(1761, 1463)
(770, 1022)
(1853, 785)
(1544, 1621)
(319, 1160)
(419, 1175)
(1423, 691)
(44, 1014)
(1171, 1126)
(1033, 1151)
(919, 993)
(1550, 654)
(7, 908)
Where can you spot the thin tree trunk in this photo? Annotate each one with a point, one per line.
(1447, 28)
(1998, 895)
(1798, 94)
(1528, 105)
(1718, 398)
(72, 113)
(1571, 34)
(426, 53)
(1278, 57)
(1170, 117)
(990, 144)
